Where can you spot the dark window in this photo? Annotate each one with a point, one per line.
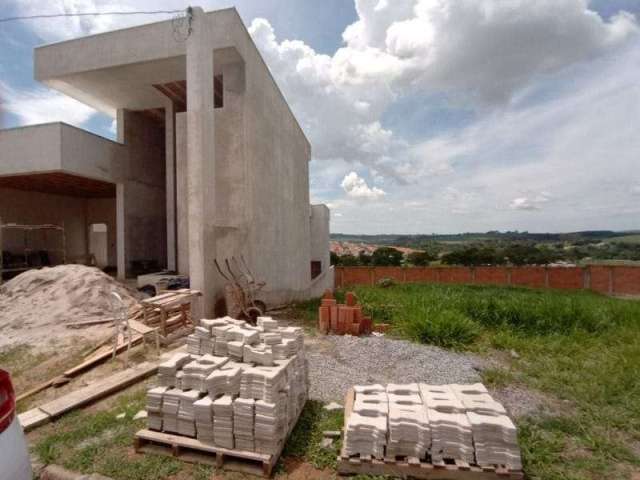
(218, 95)
(316, 268)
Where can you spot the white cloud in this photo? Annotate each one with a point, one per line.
(63, 28)
(635, 190)
(523, 203)
(356, 187)
(483, 49)
(40, 105)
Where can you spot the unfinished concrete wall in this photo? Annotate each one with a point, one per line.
(142, 182)
(231, 186)
(23, 207)
(319, 221)
(103, 210)
(277, 153)
(84, 153)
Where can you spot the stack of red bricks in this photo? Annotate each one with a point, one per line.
(341, 319)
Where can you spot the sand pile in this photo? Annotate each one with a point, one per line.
(36, 305)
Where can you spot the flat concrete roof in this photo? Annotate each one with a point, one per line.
(57, 147)
(118, 69)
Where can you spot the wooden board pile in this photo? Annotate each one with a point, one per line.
(433, 423)
(248, 399)
(341, 319)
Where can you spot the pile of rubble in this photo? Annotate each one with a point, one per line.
(238, 386)
(342, 319)
(433, 422)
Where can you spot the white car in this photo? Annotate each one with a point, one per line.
(15, 463)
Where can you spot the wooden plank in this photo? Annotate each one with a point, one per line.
(88, 323)
(33, 418)
(33, 391)
(140, 327)
(102, 354)
(99, 389)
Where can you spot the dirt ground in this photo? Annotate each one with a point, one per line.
(38, 307)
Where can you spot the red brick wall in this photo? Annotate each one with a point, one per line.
(624, 280)
(397, 273)
(421, 275)
(599, 278)
(566, 278)
(455, 275)
(528, 276)
(492, 275)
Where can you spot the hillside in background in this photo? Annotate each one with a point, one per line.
(495, 248)
(418, 241)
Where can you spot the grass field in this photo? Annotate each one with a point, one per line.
(579, 348)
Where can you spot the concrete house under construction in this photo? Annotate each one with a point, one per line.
(209, 161)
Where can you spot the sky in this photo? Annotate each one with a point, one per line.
(424, 116)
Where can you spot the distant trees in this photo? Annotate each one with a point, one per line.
(386, 257)
(513, 254)
(473, 256)
(420, 258)
(381, 257)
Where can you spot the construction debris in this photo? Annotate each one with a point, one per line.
(342, 319)
(248, 400)
(434, 423)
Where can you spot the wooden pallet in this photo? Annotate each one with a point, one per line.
(412, 467)
(416, 468)
(195, 451)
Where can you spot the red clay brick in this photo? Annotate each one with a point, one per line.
(626, 280)
(388, 272)
(528, 276)
(421, 275)
(599, 278)
(565, 278)
(491, 275)
(455, 275)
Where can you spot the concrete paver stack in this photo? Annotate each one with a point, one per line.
(248, 399)
(431, 422)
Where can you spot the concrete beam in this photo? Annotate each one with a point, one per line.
(201, 159)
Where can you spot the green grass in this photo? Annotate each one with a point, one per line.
(99, 442)
(304, 441)
(579, 348)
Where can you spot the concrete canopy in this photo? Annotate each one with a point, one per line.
(118, 69)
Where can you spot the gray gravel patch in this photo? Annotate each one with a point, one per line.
(336, 363)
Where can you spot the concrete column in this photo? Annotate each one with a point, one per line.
(201, 159)
(120, 236)
(170, 189)
(120, 125)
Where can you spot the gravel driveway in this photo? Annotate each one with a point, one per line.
(336, 363)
